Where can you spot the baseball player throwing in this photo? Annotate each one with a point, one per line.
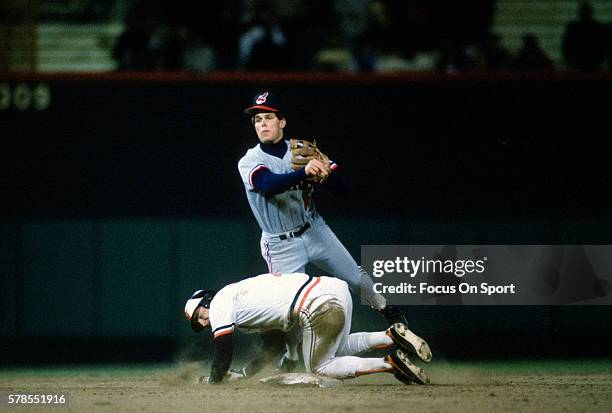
(280, 196)
(320, 308)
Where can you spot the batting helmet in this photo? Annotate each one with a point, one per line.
(200, 298)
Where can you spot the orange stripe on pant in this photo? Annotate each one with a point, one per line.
(363, 373)
(297, 311)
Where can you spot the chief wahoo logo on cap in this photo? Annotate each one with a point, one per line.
(262, 98)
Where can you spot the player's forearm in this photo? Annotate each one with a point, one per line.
(272, 184)
(222, 358)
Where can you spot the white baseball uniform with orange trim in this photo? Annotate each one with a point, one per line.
(255, 305)
(321, 306)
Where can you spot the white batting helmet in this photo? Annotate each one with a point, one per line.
(201, 298)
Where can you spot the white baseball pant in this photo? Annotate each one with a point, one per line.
(327, 347)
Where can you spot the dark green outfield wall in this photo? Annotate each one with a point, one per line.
(116, 278)
(130, 278)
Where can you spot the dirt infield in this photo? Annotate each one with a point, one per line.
(526, 386)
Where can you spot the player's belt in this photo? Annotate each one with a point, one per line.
(295, 233)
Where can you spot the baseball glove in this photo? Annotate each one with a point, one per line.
(302, 151)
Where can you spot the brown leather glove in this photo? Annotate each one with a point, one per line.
(302, 151)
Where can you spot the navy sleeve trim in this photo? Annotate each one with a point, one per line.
(271, 184)
(254, 171)
(220, 331)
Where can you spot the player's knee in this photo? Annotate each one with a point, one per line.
(332, 319)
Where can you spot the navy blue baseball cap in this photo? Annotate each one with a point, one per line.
(263, 102)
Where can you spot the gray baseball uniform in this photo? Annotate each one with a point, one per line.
(293, 233)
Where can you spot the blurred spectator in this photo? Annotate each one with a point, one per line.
(475, 59)
(453, 57)
(496, 56)
(389, 42)
(214, 30)
(91, 10)
(396, 61)
(457, 25)
(264, 45)
(226, 28)
(410, 27)
(199, 55)
(119, 10)
(310, 29)
(354, 18)
(167, 47)
(531, 57)
(460, 28)
(131, 50)
(584, 41)
(363, 55)
(268, 35)
(488, 55)
(15, 14)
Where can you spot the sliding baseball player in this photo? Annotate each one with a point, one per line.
(320, 309)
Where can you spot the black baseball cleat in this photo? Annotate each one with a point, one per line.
(409, 342)
(402, 378)
(404, 368)
(393, 315)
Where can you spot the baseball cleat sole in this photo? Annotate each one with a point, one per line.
(404, 367)
(402, 378)
(410, 342)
